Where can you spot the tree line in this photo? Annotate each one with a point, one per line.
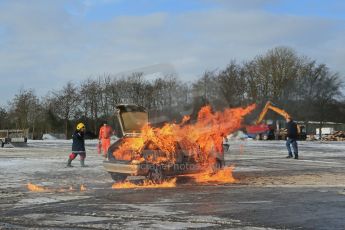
(307, 89)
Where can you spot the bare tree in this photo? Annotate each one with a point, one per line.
(105, 83)
(91, 97)
(232, 85)
(24, 108)
(65, 103)
(327, 89)
(4, 119)
(269, 75)
(50, 122)
(114, 91)
(206, 87)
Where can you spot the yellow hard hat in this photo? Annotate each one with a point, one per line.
(80, 126)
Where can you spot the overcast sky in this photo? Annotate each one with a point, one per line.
(46, 43)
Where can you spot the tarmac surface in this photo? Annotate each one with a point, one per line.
(271, 192)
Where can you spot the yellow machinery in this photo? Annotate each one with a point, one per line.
(273, 108)
(263, 131)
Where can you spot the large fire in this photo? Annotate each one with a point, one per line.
(200, 141)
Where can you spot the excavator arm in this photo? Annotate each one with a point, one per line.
(281, 112)
(273, 108)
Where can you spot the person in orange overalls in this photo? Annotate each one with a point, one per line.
(105, 133)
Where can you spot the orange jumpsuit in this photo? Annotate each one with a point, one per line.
(105, 133)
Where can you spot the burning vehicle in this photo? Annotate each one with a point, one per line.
(174, 149)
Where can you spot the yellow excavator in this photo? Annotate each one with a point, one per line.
(264, 132)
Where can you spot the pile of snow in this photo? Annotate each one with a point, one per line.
(238, 135)
(53, 136)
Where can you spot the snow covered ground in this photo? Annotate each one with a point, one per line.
(271, 191)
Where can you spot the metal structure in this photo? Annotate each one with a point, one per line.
(16, 137)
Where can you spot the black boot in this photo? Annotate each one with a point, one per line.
(296, 156)
(69, 162)
(82, 163)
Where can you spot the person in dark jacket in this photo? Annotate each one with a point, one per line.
(78, 146)
(292, 132)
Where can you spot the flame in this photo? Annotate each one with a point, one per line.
(222, 176)
(185, 119)
(82, 188)
(70, 189)
(147, 184)
(37, 188)
(201, 140)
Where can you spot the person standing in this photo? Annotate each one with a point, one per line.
(78, 146)
(292, 133)
(105, 133)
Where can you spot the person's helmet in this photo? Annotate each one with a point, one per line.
(80, 126)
